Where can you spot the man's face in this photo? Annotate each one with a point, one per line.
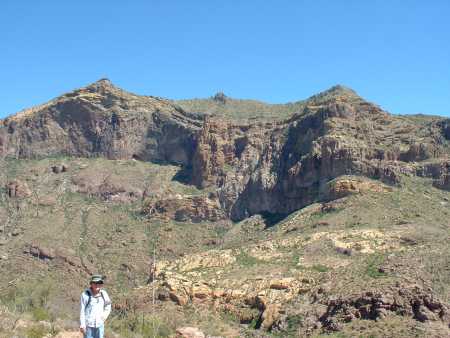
(96, 287)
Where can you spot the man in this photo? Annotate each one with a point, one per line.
(95, 307)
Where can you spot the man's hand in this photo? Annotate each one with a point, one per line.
(83, 330)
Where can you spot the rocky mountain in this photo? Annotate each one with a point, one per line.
(293, 219)
(101, 120)
(271, 167)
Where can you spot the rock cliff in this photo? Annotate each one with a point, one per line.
(101, 120)
(271, 167)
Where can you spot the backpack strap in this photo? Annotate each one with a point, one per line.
(103, 297)
(88, 292)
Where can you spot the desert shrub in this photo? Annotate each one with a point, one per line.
(139, 325)
(29, 296)
(294, 321)
(36, 332)
(373, 266)
(244, 259)
(320, 268)
(40, 313)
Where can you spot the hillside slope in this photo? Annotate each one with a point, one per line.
(332, 216)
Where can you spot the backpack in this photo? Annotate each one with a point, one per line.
(89, 294)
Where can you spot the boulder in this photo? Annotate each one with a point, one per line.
(270, 315)
(59, 168)
(18, 189)
(201, 291)
(189, 332)
(282, 284)
(178, 298)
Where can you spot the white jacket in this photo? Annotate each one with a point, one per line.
(95, 313)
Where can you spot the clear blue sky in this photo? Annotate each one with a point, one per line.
(395, 53)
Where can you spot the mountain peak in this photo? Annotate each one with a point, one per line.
(340, 90)
(103, 80)
(337, 90)
(96, 91)
(333, 93)
(103, 83)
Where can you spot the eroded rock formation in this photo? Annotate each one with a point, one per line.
(267, 166)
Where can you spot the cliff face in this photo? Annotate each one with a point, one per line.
(270, 167)
(276, 168)
(101, 120)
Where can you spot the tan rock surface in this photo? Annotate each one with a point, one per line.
(188, 208)
(189, 332)
(17, 188)
(345, 186)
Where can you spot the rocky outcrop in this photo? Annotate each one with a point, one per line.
(444, 127)
(258, 298)
(256, 292)
(119, 181)
(411, 301)
(191, 208)
(209, 259)
(17, 189)
(59, 256)
(270, 315)
(443, 182)
(59, 168)
(419, 152)
(439, 171)
(107, 185)
(344, 186)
